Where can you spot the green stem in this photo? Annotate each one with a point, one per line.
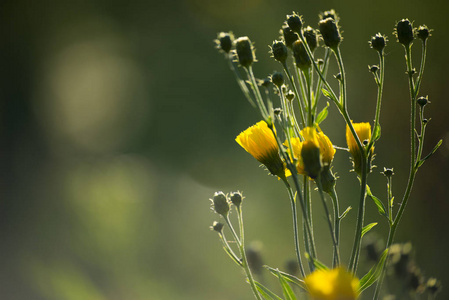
(241, 244)
(379, 98)
(336, 257)
(259, 101)
(240, 81)
(295, 90)
(337, 219)
(295, 226)
(343, 77)
(413, 166)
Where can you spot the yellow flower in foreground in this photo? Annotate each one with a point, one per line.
(363, 131)
(336, 284)
(327, 150)
(259, 141)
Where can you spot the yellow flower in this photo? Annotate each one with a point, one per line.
(315, 152)
(363, 131)
(259, 141)
(336, 284)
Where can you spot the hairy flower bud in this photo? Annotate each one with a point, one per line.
(218, 227)
(329, 14)
(404, 32)
(423, 32)
(329, 31)
(280, 52)
(422, 101)
(278, 79)
(302, 59)
(245, 51)
(378, 42)
(289, 36)
(224, 41)
(220, 204)
(236, 198)
(294, 22)
(311, 38)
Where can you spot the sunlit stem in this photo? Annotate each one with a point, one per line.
(295, 226)
(337, 220)
(413, 160)
(336, 257)
(240, 81)
(320, 81)
(295, 90)
(241, 245)
(258, 96)
(379, 98)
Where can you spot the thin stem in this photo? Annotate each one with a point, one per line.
(309, 98)
(353, 261)
(240, 81)
(343, 77)
(308, 206)
(295, 226)
(379, 98)
(241, 245)
(320, 81)
(226, 245)
(336, 258)
(421, 68)
(259, 101)
(337, 218)
(295, 90)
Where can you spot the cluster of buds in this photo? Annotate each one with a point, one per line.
(405, 32)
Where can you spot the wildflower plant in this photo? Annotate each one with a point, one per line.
(289, 142)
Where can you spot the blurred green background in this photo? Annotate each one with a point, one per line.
(117, 123)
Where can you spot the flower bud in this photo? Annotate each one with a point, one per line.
(338, 76)
(302, 59)
(290, 95)
(289, 36)
(373, 68)
(245, 51)
(224, 41)
(266, 82)
(388, 172)
(277, 111)
(378, 42)
(404, 32)
(422, 101)
(278, 79)
(311, 157)
(311, 38)
(220, 204)
(295, 22)
(433, 286)
(423, 32)
(329, 14)
(218, 227)
(329, 31)
(236, 198)
(328, 180)
(280, 52)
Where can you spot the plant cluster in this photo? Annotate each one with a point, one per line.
(289, 142)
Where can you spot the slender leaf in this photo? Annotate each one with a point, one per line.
(377, 132)
(391, 201)
(345, 212)
(380, 206)
(286, 289)
(327, 94)
(323, 114)
(318, 264)
(373, 274)
(419, 164)
(290, 278)
(232, 256)
(367, 228)
(266, 293)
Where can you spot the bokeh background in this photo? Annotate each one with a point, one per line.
(118, 121)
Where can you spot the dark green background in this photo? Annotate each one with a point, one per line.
(117, 123)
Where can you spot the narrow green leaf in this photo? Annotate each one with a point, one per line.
(286, 289)
(377, 132)
(430, 154)
(377, 202)
(232, 256)
(318, 264)
(367, 228)
(345, 212)
(373, 274)
(322, 115)
(327, 94)
(266, 293)
(290, 278)
(391, 201)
